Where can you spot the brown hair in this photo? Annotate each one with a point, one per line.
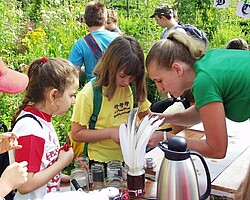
(95, 14)
(112, 15)
(237, 43)
(178, 46)
(124, 53)
(45, 73)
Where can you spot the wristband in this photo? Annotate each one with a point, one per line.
(165, 136)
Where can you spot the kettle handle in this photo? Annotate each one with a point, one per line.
(208, 191)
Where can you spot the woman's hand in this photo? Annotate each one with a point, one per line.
(156, 137)
(9, 141)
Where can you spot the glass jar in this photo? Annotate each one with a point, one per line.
(82, 162)
(115, 181)
(79, 180)
(114, 168)
(97, 175)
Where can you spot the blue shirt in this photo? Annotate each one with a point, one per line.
(82, 55)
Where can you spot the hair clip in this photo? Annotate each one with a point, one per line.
(170, 37)
(43, 60)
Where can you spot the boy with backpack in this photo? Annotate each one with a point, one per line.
(85, 51)
(167, 17)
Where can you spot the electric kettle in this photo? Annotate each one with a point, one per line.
(177, 178)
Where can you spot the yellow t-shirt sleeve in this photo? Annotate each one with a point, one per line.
(145, 105)
(83, 108)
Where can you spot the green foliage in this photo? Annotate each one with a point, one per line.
(9, 104)
(35, 11)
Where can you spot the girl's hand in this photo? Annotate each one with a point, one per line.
(66, 156)
(9, 141)
(114, 135)
(14, 175)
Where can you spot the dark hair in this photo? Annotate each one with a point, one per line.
(45, 73)
(237, 43)
(178, 46)
(124, 53)
(95, 14)
(188, 95)
(166, 11)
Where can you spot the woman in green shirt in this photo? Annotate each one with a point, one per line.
(219, 80)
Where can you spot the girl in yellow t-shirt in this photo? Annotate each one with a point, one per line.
(121, 66)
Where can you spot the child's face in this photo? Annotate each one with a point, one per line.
(67, 99)
(123, 80)
(111, 25)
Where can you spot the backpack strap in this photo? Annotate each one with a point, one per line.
(134, 96)
(94, 46)
(97, 103)
(3, 126)
(26, 115)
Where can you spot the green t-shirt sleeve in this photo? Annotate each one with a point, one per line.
(205, 90)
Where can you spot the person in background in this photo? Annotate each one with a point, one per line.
(95, 17)
(121, 66)
(166, 17)
(112, 22)
(237, 43)
(53, 83)
(15, 174)
(219, 80)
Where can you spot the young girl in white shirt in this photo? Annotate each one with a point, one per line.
(51, 91)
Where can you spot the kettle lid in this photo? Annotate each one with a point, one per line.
(176, 148)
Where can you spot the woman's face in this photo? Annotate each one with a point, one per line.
(123, 80)
(167, 81)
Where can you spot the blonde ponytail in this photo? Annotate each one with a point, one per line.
(178, 46)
